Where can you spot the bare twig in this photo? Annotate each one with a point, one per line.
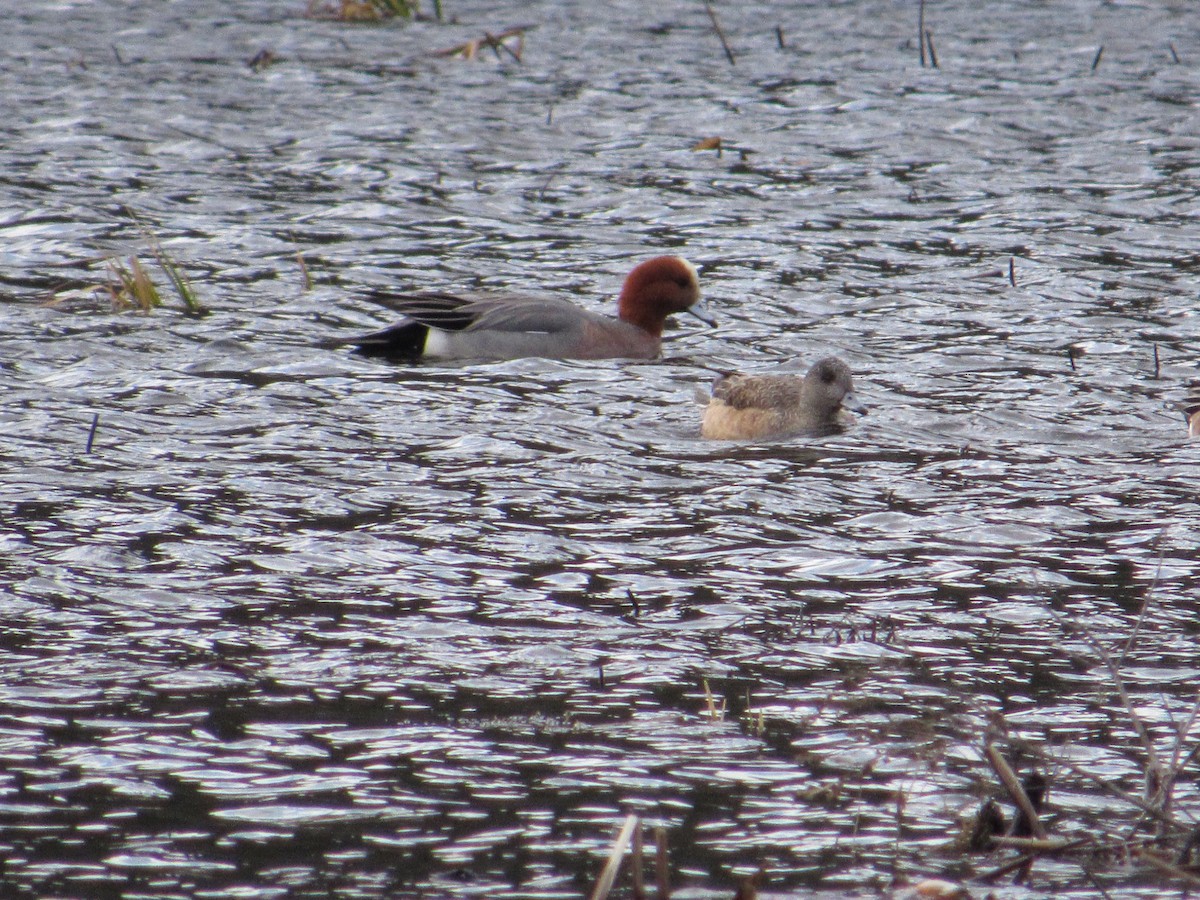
(1160, 778)
(92, 433)
(1166, 788)
(712, 15)
(921, 30)
(1146, 601)
(203, 138)
(1020, 862)
(1170, 869)
(1154, 767)
(1095, 882)
(1040, 845)
(1103, 783)
(495, 42)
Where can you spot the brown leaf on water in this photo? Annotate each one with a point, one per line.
(709, 143)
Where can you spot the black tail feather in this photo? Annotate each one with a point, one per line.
(402, 341)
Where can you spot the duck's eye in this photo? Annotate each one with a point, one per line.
(829, 376)
(683, 281)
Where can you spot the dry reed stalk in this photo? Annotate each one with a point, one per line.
(662, 868)
(921, 30)
(636, 867)
(608, 874)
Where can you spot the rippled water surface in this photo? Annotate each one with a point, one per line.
(302, 624)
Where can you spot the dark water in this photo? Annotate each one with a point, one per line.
(305, 625)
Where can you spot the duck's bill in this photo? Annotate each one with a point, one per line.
(702, 314)
(853, 404)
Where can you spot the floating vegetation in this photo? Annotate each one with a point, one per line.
(366, 10)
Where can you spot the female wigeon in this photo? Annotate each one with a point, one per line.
(755, 406)
(507, 327)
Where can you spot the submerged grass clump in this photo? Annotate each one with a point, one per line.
(128, 286)
(183, 288)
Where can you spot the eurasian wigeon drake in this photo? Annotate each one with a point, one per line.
(445, 325)
(746, 407)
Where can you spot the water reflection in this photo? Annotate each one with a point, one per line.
(301, 623)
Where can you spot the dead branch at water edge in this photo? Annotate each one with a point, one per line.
(511, 41)
(1144, 824)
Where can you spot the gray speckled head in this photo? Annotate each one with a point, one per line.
(829, 386)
